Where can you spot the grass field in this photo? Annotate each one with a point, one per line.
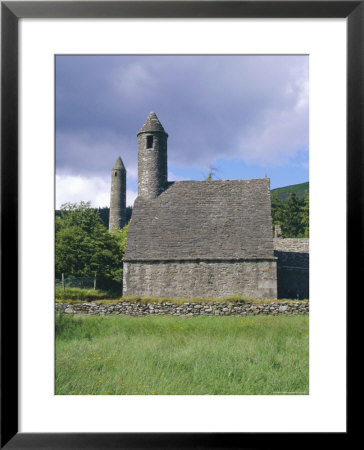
(121, 355)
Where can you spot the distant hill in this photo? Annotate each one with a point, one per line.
(301, 190)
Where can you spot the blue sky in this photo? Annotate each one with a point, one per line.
(245, 115)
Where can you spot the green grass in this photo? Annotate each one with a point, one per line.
(79, 294)
(121, 355)
(102, 297)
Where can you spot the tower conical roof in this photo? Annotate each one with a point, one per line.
(152, 124)
(118, 164)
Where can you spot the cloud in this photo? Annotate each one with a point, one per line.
(246, 107)
(284, 135)
(76, 188)
(130, 197)
(174, 177)
(94, 152)
(133, 81)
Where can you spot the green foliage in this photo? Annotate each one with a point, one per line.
(212, 173)
(121, 237)
(166, 355)
(292, 226)
(104, 214)
(85, 247)
(305, 218)
(292, 214)
(278, 209)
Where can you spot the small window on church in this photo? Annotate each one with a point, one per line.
(149, 141)
(116, 174)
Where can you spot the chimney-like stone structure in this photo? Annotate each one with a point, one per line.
(152, 158)
(277, 232)
(117, 216)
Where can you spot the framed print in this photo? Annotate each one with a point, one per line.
(35, 36)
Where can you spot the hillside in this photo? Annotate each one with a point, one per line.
(301, 190)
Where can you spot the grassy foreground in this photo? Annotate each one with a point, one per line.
(121, 355)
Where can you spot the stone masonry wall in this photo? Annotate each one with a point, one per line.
(152, 164)
(292, 267)
(117, 217)
(189, 279)
(297, 245)
(227, 308)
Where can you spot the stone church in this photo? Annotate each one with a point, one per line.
(195, 239)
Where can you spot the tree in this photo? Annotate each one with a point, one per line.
(292, 214)
(293, 220)
(85, 247)
(121, 236)
(305, 220)
(278, 210)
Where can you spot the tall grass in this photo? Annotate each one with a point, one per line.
(75, 295)
(174, 355)
(79, 294)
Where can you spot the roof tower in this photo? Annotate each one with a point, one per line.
(152, 124)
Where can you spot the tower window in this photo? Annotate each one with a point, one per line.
(149, 141)
(116, 174)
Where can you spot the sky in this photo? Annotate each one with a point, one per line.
(245, 116)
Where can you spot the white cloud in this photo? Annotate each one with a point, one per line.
(130, 197)
(303, 94)
(283, 135)
(95, 151)
(173, 177)
(75, 188)
(133, 81)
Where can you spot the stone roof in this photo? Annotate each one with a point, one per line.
(203, 220)
(118, 165)
(152, 124)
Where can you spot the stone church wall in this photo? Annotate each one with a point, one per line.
(190, 279)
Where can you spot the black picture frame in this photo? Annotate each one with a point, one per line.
(11, 12)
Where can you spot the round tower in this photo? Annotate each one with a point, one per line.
(152, 158)
(117, 216)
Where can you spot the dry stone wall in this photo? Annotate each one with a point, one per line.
(297, 245)
(190, 279)
(186, 309)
